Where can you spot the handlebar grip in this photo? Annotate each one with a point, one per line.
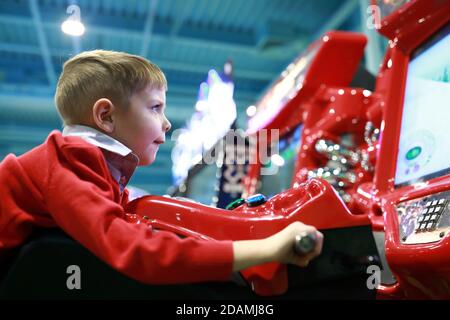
(304, 243)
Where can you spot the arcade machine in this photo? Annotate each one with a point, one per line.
(206, 166)
(320, 121)
(380, 150)
(409, 191)
(394, 170)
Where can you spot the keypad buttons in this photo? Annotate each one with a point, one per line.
(430, 214)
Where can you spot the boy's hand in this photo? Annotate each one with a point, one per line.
(281, 245)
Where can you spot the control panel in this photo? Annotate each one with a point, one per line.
(425, 219)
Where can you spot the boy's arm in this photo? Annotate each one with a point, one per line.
(81, 201)
(277, 248)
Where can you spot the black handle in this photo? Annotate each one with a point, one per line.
(305, 243)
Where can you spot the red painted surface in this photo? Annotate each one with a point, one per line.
(298, 204)
(423, 270)
(328, 110)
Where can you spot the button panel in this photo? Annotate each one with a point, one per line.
(425, 219)
(430, 216)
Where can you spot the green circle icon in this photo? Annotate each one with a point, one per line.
(413, 153)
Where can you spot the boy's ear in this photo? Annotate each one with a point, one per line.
(102, 113)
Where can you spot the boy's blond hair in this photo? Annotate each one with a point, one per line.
(97, 74)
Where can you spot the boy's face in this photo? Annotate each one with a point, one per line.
(143, 125)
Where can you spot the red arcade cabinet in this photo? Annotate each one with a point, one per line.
(410, 190)
(384, 152)
(321, 122)
(394, 166)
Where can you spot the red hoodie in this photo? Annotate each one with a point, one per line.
(65, 182)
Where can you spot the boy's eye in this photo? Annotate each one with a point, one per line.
(156, 107)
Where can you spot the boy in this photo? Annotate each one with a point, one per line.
(112, 105)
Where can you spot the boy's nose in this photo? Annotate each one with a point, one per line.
(167, 124)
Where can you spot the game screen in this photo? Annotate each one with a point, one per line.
(282, 165)
(424, 149)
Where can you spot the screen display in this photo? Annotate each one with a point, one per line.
(283, 165)
(424, 149)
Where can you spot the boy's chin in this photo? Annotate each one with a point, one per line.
(145, 161)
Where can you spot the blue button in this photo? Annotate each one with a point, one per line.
(256, 200)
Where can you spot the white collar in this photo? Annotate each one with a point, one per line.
(96, 138)
(120, 159)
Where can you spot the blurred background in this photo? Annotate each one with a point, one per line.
(186, 38)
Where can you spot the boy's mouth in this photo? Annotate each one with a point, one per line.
(158, 141)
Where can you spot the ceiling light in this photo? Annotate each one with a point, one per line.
(73, 26)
